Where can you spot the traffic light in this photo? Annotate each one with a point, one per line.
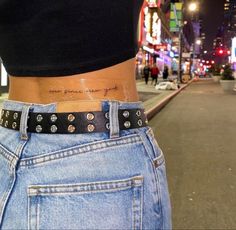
(220, 51)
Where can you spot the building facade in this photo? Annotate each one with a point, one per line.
(229, 22)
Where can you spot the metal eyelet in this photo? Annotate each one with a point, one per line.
(126, 114)
(53, 118)
(39, 129)
(108, 126)
(107, 115)
(90, 128)
(140, 122)
(127, 124)
(138, 113)
(71, 129)
(6, 124)
(2, 113)
(39, 118)
(14, 125)
(15, 116)
(53, 129)
(71, 117)
(7, 114)
(90, 116)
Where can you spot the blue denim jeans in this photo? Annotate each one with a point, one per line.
(113, 180)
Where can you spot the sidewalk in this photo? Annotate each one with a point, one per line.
(154, 100)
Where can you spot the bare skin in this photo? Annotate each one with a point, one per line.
(79, 92)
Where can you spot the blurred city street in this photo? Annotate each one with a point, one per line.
(196, 132)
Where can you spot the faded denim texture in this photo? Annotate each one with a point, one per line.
(82, 181)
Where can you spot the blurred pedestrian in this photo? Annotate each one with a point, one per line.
(165, 73)
(154, 74)
(146, 71)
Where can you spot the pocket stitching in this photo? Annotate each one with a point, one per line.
(134, 183)
(82, 149)
(114, 185)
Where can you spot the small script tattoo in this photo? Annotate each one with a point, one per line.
(105, 91)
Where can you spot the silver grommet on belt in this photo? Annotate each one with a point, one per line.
(138, 113)
(71, 117)
(2, 113)
(108, 126)
(90, 116)
(53, 129)
(39, 118)
(126, 114)
(6, 124)
(90, 128)
(14, 125)
(38, 129)
(140, 122)
(71, 129)
(1, 121)
(53, 117)
(7, 114)
(107, 115)
(15, 116)
(127, 124)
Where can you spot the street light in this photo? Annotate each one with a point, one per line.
(192, 6)
(198, 42)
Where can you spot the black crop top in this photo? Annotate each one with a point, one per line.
(65, 37)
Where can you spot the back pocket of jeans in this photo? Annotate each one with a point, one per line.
(113, 204)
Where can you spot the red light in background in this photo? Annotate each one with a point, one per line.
(212, 62)
(221, 51)
(228, 52)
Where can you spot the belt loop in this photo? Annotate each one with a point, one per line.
(23, 122)
(114, 121)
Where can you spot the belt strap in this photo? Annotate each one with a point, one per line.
(73, 123)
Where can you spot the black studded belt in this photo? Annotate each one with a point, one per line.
(73, 123)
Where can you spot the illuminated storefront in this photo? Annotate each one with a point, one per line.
(155, 49)
(233, 53)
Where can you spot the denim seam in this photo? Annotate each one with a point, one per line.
(29, 212)
(137, 208)
(7, 154)
(6, 195)
(157, 180)
(84, 192)
(141, 207)
(37, 215)
(133, 182)
(11, 184)
(158, 161)
(80, 150)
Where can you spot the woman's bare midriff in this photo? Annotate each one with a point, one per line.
(80, 92)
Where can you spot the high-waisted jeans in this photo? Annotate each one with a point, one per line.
(113, 180)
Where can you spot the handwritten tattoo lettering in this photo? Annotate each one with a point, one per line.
(105, 91)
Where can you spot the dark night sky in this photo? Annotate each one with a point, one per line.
(212, 15)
